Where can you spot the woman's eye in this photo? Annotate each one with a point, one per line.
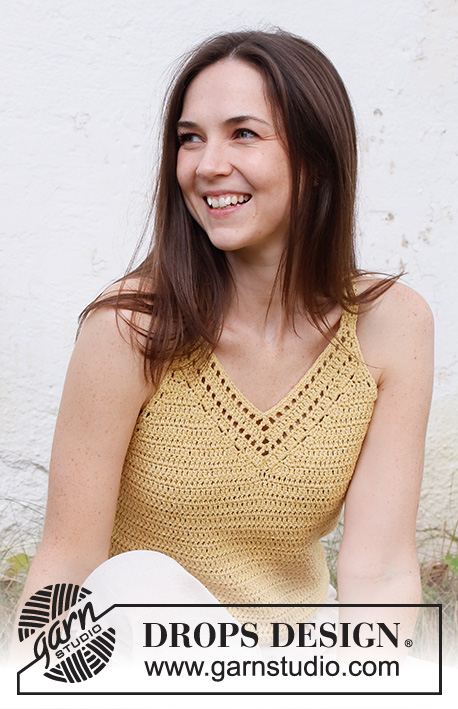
(188, 138)
(245, 133)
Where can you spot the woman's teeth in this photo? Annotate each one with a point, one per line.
(226, 200)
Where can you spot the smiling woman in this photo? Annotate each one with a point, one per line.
(233, 168)
(231, 392)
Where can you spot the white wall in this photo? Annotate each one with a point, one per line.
(80, 96)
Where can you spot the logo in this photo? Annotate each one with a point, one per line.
(75, 647)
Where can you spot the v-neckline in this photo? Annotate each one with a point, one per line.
(309, 374)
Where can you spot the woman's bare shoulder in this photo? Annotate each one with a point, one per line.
(113, 337)
(396, 306)
(122, 303)
(397, 325)
(130, 286)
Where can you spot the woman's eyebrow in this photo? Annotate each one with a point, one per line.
(186, 124)
(241, 119)
(227, 122)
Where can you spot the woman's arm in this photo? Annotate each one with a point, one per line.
(104, 390)
(377, 560)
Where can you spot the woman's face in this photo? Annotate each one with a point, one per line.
(232, 167)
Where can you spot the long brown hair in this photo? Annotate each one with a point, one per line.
(184, 284)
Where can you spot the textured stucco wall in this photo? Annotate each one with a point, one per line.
(80, 96)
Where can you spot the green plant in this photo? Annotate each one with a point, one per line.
(452, 562)
(11, 585)
(18, 562)
(16, 553)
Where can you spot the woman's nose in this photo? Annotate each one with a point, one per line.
(214, 160)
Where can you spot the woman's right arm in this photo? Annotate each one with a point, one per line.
(104, 391)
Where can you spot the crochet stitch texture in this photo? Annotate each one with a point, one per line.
(240, 497)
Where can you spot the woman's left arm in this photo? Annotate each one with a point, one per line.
(377, 561)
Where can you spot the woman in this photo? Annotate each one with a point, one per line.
(254, 377)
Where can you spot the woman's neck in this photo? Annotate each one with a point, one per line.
(257, 301)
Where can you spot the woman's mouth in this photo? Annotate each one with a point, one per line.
(226, 200)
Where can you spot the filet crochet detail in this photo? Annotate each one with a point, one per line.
(240, 497)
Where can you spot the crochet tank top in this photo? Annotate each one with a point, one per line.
(240, 497)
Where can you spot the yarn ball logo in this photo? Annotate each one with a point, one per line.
(78, 642)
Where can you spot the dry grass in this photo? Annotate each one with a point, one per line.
(16, 552)
(10, 593)
(11, 585)
(440, 586)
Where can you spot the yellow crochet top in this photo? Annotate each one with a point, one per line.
(240, 497)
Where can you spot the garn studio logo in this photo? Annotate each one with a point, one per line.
(79, 643)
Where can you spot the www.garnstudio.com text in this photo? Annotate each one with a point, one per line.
(218, 670)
